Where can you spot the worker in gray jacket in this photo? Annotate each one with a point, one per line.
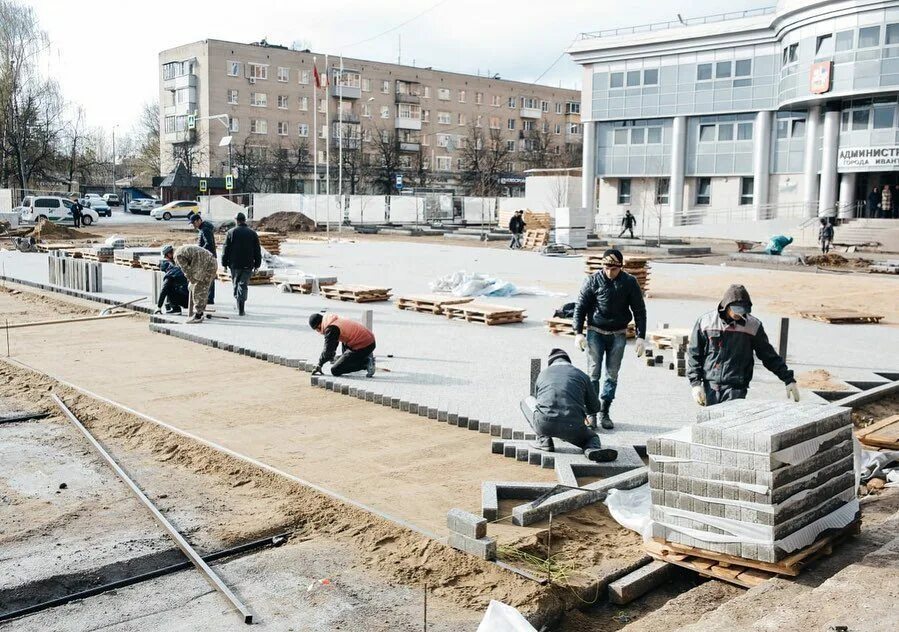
(561, 407)
(723, 344)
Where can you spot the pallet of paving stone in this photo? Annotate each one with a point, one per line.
(430, 303)
(260, 277)
(149, 262)
(883, 434)
(356, 293)
(50, 247)
(536, 238)
(884, 269)
(302, 285)
(746, 572)
(842, 317)
(485, 313)
(130, 257)
(100, 254)
(636, 266)
(271, 242)
(676, 339)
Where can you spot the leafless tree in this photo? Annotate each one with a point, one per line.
(252, 161)
(382, 173)
(354, 171)
(484, 158)
(538, 150)
(147, 132)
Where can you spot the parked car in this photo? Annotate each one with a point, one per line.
(90, 198)
(101, 207)
(55, 209)
(112, 199)
(143, 205)
(177, 209)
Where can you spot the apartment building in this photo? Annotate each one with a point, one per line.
(262, 95)
(783, 111)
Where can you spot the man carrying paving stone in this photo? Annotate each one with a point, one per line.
(199, 267)
(720, 354)
(358, 345)
(174, 292)
(241, 255)
(561, 407)
(607, 302)
(205, 240)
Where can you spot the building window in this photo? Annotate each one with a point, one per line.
(321, 156)
(443, 140)
(511, 103)
(304, 104)
(703, 191)
(722, 70)
(558, 129)
(282, 101)
(573, 107)
(624, 191)
(725, 131)
(747, 186)
(443, 94)
(478, 98)
(558, 108)
(620, 136)
(426, 92)
(654, 135)
(461, 119)
(347, 79)
(651, 77)
(303, 130)
(869, 37)
(321, 106)
(385, 112)
(510, 145)
(638, 135)
(283, 73)
(706, 133)
(233, 125)
(443, 163)
(444, 118)
(662, 187)
(860, 119)
(510, 124)
(743, 68)
(824, 46)
(366, 110)
(258, 126)
(282, 128)
(233, 68)
(461, 96)
(258, 71)
(616, 80)
(744, 131)
(385, 87)
(323, 132)
(891, 37)
(495, 100)
(544, 106)
(703, 72)
(494, 122)
(426, 116)
(232, 97)
(633, 78)
(366, 85)
(527, 126)
(409, 111)
(477, 122)
(798, 130)
(845, 41)
(259, 99)
(883, 116)
(303, 76)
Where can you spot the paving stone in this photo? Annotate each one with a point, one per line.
(506, 433)
(474, 424)
(484, 548)
(466, 523)
(639, 582)
(484, 426)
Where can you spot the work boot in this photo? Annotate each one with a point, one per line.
(172, 310)
(196, 319)
(370, 368)
(604, 418)
(543, 443)
(601, 455)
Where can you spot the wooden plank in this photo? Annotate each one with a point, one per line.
(875, 427)
(753, 577)
(841, 316)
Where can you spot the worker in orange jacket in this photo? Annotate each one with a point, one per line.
(358, 345)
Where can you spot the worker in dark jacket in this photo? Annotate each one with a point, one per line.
(174, 292)
(627, 223)
(825, 235)
(241, 255)
(77, 212)
(608, 301)
(205, 240)
(516, 227)
(358, 345)
(720, 356)
(874, 203)
(561, 408)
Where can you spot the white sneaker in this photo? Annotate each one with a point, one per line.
(196, 319)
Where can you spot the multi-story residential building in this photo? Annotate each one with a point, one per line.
(264, 95)
(788, 110)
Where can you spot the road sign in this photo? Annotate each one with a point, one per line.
(202, 186)
(399, 182)
(191, 121)
(229, 182)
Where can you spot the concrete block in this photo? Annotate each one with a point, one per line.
(474, 424)
(506, 433)
(442, 416)
(466, 523)
(496, 430)
(518, 435)
(395, 402)
(452, 419)
(344, 389)
(484, 426)
(462, 421)
(413, 408)
(489, 501)
(484, 548)
(432, 413)
(639, 582)
(496, 446)
(404, 405)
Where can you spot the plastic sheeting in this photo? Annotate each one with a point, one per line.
(630, 508)
(475, 284)
(502, 618)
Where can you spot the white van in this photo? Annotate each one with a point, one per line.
(55, 209)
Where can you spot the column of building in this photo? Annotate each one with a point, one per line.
(678, 158)
(810, 165)
(827, 198)
(761, 164)
(588, 172)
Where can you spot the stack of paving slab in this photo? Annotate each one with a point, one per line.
(756, 480)
(468, 533)
(130, 257)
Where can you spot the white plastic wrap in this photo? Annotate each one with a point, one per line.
(502, 618)
(630, 508)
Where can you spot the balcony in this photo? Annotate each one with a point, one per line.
(346, 92)
(346, 117)
(180, 109)
(177, 83)
(414, 147)
(530, 113)
(348, 143)
(408, 98)
(402, 122)
(185, 136)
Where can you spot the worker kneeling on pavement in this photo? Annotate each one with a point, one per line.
(565, 398)
(720, 356)
(199, 266)
(174, 292)
(358, 345)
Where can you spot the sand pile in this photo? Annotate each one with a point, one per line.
(819, 380)
(286, 222)
(47, 230)
(833, 260)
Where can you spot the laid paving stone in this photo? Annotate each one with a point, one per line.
(466, 523)
(484, 548)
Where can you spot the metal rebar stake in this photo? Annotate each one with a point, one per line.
(549, 552)
(425, 614)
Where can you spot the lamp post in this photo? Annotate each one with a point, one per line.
(113, 157)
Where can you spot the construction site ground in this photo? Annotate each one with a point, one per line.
(406, 470)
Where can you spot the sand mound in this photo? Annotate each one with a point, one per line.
(819, 380)
(46, 230)
(286, 222)
(834, 260)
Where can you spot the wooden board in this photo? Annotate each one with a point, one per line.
(841, 316)
(883, 434)
(430, 303)
(262, 277)
(669, 338)
(560, 326)
(485, 313)
(534, 239)
(300, 287)
(533, 220)
(356, 293)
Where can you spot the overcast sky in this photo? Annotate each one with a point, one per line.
(104, 53)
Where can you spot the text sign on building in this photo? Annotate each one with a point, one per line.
(868, 158)
(819, 77)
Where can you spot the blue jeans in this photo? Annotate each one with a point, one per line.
(611, 348)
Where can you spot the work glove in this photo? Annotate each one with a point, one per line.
(157, 311)
(793, 391)
(580, 341)
(699, 395)
(641, 347)
(317, 370)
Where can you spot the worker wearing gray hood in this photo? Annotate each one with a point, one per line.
(722, 347)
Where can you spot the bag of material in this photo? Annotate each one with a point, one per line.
(502, 618)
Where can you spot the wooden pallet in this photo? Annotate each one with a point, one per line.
(301, 287)
(668, 338)
(484, 313)
(262, 277)
(49, 247)
(90, 256)
(533, 220)
(271, 242)
(883, 434)
(149, 263)
(534, 239)
(430, 303)
(882, 269)
(356, 293)
(841, 317)
(745, 572)
(636, 266)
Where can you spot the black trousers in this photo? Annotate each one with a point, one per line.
(76, 218)
(624, 230)
(578, 434)
(173, 295)
(717, 393)
(352, 360)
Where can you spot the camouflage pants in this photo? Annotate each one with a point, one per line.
(200, 284)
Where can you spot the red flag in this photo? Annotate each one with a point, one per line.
(317, 77)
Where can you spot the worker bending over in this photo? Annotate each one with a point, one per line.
(174, 292)
(564, 401)
(199, 266)
(205, 240)
(720, 355)
(358, 345)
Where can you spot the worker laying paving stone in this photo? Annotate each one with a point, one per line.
(561, 407)
(199, 267)
(358, 343)
(174, 293)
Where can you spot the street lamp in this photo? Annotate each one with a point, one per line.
(113, 157)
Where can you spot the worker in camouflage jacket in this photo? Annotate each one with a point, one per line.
(199, 266)
(205, 240)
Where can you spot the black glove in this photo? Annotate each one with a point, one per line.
(317, 371)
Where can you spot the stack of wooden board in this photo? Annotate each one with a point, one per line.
(430, 303)
(102, 254)
(302, 283)
(636, 266)
(261, 277)
(271, 242)
(563, 327)
(67, 247)
(484, 313)
(883, 434)
(536, 238)
(890, 266)
(841, 317)
(532, 220)
(356, 293)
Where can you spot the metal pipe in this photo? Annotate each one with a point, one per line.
(182, 544)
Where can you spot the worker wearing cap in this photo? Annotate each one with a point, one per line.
(607, 302)
(174, 292)
(242, 255)
(199, 267)
(206, 241)
(358, 345)
(722, 347)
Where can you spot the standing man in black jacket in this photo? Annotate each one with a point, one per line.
(608, 301)
(516, 227)
(241, 255)
(720, 356)
(206, 241)
(627, 224)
